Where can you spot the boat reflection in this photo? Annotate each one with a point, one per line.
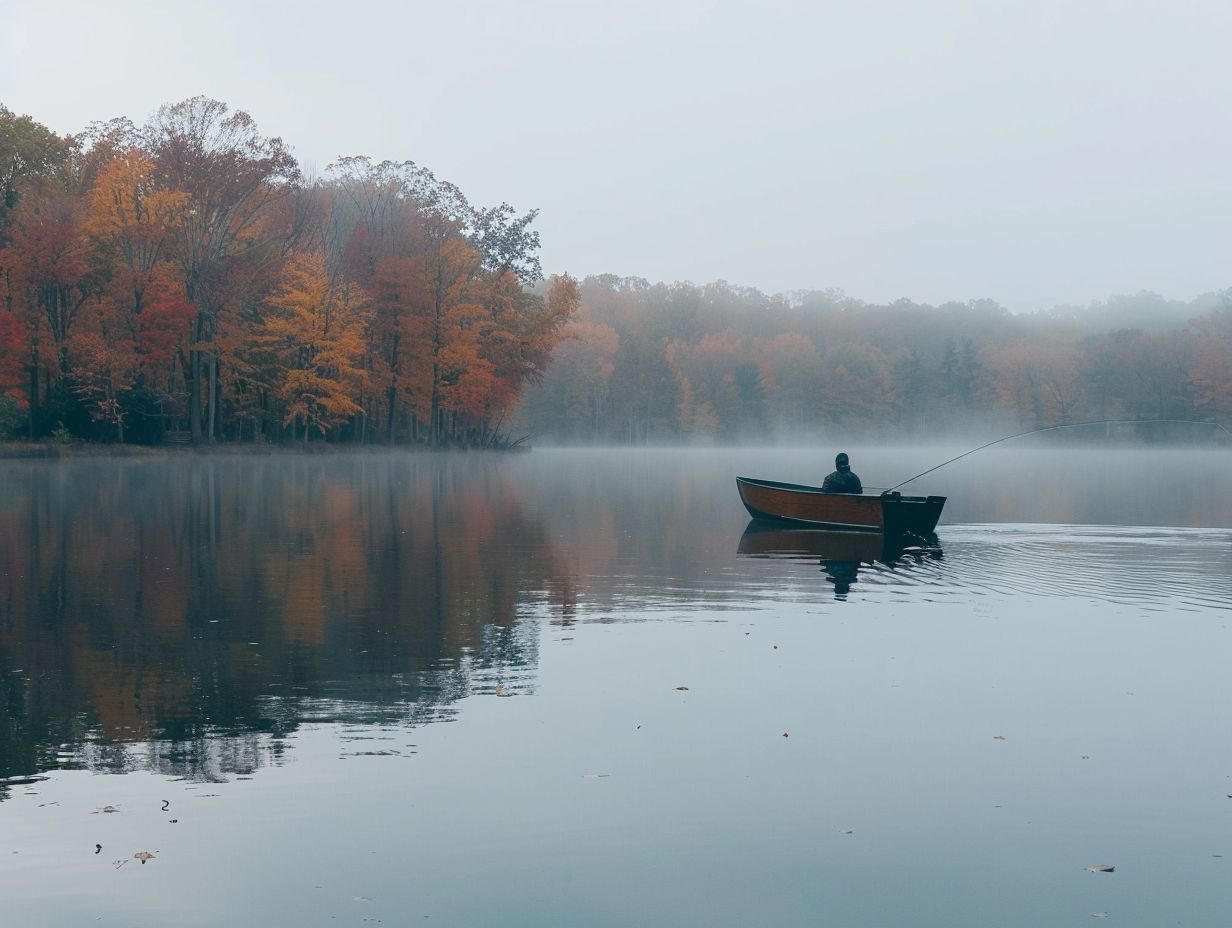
(841, 554)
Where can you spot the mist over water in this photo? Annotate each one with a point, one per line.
(515, 687)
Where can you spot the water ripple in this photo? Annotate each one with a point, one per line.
(1153, 569)
(1150, 568)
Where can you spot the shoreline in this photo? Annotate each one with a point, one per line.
(49, 451)
(37, 451)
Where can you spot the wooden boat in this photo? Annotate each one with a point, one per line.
(888, 513)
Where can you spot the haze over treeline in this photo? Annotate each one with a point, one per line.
(183, 278)
(654, 362)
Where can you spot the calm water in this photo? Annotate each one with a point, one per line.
(564, 688)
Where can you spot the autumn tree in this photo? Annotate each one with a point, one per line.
(790, 371)
(232, 176)
(47, 279)
(133, 219)
(103, 363)
(856, 386)
(315, 328)
(1212, 372)
(30, 153)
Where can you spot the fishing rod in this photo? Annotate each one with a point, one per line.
(1053, 428)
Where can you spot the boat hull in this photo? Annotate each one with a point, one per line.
(888, 513)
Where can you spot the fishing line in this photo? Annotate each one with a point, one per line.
(1053, 428)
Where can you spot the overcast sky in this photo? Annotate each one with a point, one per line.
(1033, 152)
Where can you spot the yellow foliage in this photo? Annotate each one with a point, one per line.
(315, 328)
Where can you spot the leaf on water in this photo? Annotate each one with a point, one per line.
(1102, 868)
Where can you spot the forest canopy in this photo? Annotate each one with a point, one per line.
(183, 279)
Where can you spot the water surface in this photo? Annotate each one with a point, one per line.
(549, 689)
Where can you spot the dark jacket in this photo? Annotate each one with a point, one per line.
(842, 481)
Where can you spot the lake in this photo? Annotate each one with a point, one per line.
(564, 688)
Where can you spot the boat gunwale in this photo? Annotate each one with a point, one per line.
(802, 488)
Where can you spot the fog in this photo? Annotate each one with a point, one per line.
(1035, 153)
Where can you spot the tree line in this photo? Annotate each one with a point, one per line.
(183, 278)
(646, 362)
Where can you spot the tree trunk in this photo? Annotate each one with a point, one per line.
(194, 395)
(434, 431)
(213, 393)
(34, 398)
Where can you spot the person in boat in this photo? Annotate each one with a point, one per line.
(843, 480)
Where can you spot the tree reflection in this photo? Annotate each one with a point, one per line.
(183, 617)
